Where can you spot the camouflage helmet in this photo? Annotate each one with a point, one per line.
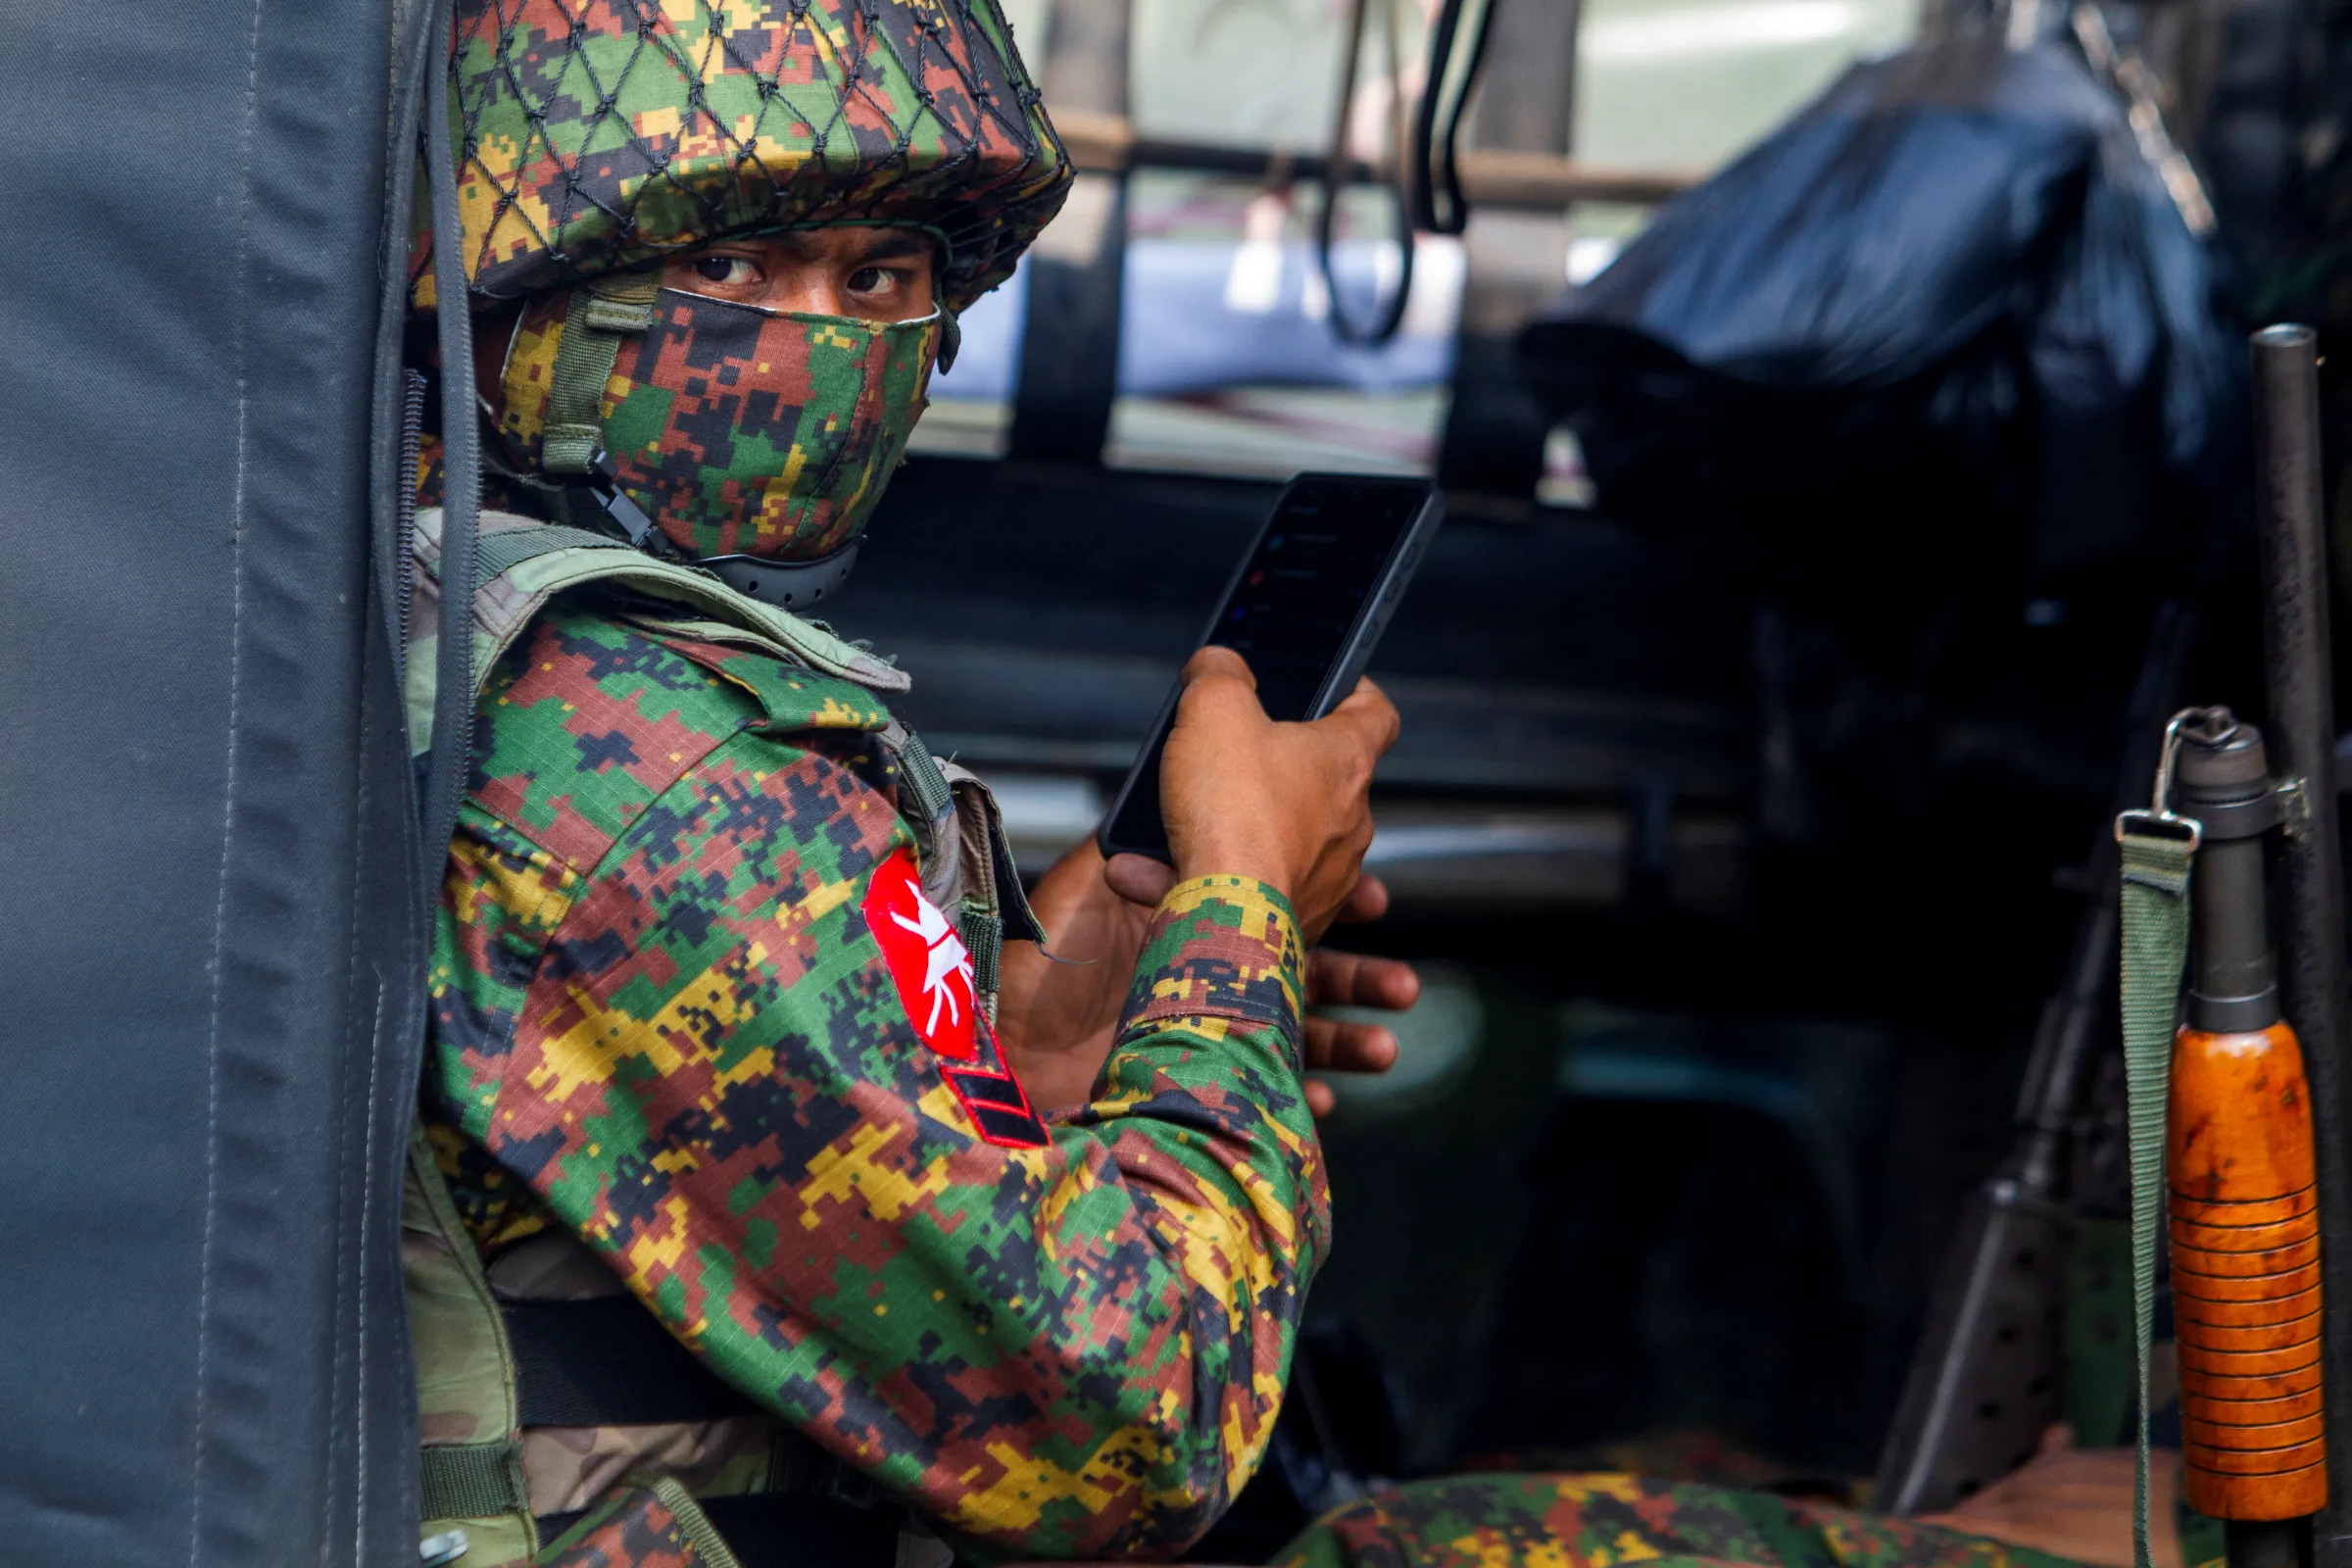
(597, 134)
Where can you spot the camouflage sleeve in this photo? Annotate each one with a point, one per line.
(697, 1055)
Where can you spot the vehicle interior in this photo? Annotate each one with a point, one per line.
(1712, 1050)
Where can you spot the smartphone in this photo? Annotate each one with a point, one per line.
(1305, 608)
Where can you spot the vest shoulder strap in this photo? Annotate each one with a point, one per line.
(792, 695)
(523, 563)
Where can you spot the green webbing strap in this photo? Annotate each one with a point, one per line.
(922, 773)
(695, 1525)
(472, 1479)
(602, 313)
(983, 936)
(2155, 950)
(497, 554)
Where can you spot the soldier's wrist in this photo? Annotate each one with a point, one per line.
(1236, 855)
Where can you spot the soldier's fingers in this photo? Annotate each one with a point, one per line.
(1218, 692)
(1214, 660)
(1369, 900)
(1139, 878)
(1333, 1046)
(1320, 1101)
(1350, 979)
(1368, 716)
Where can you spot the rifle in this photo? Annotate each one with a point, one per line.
(2240, 1187)
(1984, 1381)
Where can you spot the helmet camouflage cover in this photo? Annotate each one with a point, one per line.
(596, 134)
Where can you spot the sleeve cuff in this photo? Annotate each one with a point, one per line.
(1221, 946)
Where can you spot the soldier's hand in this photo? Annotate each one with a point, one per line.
(1287, 805)
(1334, 979)
(1350, 980)
(1055, 1019)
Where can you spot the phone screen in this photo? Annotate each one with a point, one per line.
(1318, 562)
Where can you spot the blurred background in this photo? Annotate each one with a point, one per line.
(1840, 408)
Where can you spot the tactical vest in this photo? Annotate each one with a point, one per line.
(548, 1395)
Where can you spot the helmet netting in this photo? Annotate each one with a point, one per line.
(595, 134)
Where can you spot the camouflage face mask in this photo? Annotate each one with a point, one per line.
(742, 430)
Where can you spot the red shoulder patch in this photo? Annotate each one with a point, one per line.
(932, 972)
(927, 960)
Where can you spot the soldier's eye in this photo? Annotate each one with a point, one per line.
(869, 280)
(738, 270)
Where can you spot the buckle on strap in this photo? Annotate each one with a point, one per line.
(2158, 814)
(611, 508)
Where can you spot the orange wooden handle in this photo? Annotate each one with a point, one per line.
(2245, 1233)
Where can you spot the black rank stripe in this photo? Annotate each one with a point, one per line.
(996, 1100)
(987, 1088)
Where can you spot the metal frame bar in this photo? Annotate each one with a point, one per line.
(2297, 663)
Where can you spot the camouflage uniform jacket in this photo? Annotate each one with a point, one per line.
(663, 1009)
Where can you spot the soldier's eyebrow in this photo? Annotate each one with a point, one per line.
(893, 243)
(884, 245)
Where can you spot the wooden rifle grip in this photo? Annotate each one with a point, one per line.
(2246, 1249)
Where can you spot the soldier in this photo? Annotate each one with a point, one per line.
(712, 1062)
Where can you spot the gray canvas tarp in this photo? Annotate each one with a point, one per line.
(209, 982)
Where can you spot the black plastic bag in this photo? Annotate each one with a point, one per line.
(1948, 311)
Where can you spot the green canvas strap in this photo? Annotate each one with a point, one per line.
(2155, 948)
(983, 936)
(472, 1479)
(497, 554)
(602, 311)
(692, 1523)
(929, 784)
(2157, 848)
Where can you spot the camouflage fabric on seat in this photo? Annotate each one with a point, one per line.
(1601, 1521)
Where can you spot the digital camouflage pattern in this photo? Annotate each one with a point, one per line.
(741, 430)
(594, 134)
(657, 1006)
(1604, 1521)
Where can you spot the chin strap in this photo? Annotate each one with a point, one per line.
(604, 311)
(786, 584)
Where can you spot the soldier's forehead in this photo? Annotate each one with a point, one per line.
(867, 239)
